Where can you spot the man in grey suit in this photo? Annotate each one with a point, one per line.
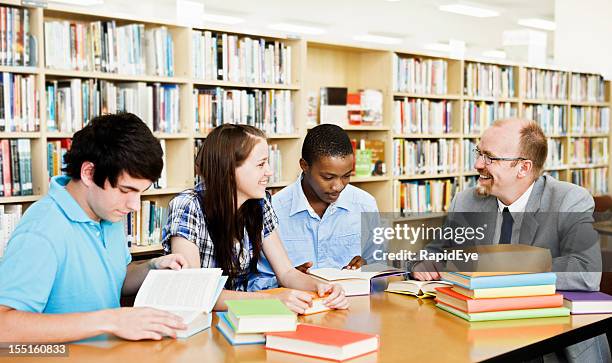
(533, 209)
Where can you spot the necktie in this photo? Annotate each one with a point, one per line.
(506, 228)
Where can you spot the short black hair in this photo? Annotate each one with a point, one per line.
(115, 143)
(326, 140)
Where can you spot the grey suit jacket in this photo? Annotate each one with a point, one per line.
(559, 217)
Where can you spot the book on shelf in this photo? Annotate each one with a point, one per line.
(587, 302)
(588, 150)
(420, 75)
(225, 327)
(268, 110)
(369, 157)
(260, 316)
(448, 297)
(556, 153)
(551, 118)
(590, 120)
(420, 289)
(587, 88)
(593, 180)
(317, 305)
(354, 282)
(143, 227)
(16, 40)
(488, 80)
(469, 156)
(104, 46)
(162, 182)
(227, 57)
(441, 156)
(56, 149)
(333, 107)
(19, 103)
(422, 116)
(428, 196)
(188, 293)
(323, 342)
(16, 167)
(371, 107)
(506, 314)
(10, 214)
(276, 163)
(478, 116)
(353, 104)
(545, 84)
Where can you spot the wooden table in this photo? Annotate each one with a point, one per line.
(409, 328)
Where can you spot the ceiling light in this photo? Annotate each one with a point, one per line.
(222, 19)
(498, 54)
(377, 39)
(542, 24)
(439, 47)
(469, 10)
(294, 28)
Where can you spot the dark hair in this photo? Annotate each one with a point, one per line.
(115, 143)
(224, 150)
(326, 140)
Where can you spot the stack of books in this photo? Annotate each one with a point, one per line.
(500, 296)
(246, 321)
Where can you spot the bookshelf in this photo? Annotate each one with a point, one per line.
(468, 106)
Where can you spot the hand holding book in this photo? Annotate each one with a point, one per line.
(355, 263)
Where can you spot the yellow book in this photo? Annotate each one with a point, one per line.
(490, 293)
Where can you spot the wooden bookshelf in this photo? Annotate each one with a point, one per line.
(314, 65)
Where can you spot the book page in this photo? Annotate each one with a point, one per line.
(188, 289)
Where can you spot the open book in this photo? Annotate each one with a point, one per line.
(354, 282)
(189, 293)
(416, 288)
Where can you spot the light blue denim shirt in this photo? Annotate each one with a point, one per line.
(328, 241)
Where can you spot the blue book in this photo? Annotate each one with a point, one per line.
(487, 282)
(226, 329)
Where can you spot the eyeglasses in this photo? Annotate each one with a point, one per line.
(490, 159)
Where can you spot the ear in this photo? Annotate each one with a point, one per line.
(526, 168)
(87, 173)
(304, 165)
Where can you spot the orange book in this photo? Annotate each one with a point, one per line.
(317, 301)
(447, 296)
(321, 342)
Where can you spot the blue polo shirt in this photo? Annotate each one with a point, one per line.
(59, 260)
(328, 241)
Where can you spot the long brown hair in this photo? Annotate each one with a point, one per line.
(224, 150)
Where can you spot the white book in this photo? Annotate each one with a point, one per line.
(354, 282)
(189, 293)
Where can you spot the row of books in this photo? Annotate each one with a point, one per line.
(143, 227)
(105, 47)
(365, 107)
(56, 149)
(489, 80)
(424, 196)
(422, 116)
(9, 217)
(19, 103)
(500, 296)
(587, 87)
(268, 110)
(590, 120)
(276, 163)
(556, 154)
(220, 56)
(17, 46)
(477, 116)
(340, 107)
(545, 84)
(15, 167)
(588, 151)
(423, 76)
(594, 180)
(551, 118)
(426, 156)
(469, 157)
(72, 103)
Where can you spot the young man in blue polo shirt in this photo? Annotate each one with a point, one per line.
(320, 215)
(67, 263)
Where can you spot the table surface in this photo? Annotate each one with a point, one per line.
(409, 328)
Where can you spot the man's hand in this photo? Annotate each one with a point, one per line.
(336, 298)
(144, 323)
(172, 262)
(425, 271)
(355, 263)
(303, 268)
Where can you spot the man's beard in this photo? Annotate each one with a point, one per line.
(483, 190)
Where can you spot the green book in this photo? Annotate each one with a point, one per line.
(260, 316)
(508, 314)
